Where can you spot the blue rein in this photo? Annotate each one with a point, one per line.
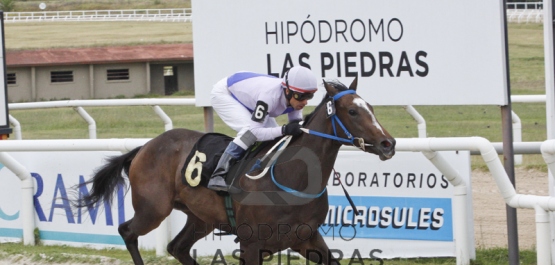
(334, 119)
(292, 191)
(350, 139)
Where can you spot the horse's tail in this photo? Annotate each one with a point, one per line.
(105, 180)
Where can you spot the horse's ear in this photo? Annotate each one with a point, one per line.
(354, 84)
(330, 89)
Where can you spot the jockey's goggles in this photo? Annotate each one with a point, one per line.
(302, 96)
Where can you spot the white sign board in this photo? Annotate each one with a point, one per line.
(405, 204)
(404, 52)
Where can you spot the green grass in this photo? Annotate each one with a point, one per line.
(60, 254)
(35, 35)
(526, 59)
(142, 122)
(39, 35)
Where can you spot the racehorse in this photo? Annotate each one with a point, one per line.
(154, 172)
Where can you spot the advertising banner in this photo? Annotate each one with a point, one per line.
(404, 206)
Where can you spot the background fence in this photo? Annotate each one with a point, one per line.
(524, 5)
(525, 12)
(517, 12)
(162, 15)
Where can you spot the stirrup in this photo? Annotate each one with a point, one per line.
(217, 183)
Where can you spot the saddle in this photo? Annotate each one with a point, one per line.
(203, 159)
(204, 156)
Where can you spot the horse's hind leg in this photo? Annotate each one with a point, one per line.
(194, 230)
(131, 241)
(137, 226)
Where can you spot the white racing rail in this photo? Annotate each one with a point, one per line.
(525, 16)
(162, 15)
(517, 125)
(78, 105)
(525, 12)
(541, 204)
(100, 145)
(429, 146)
(27, 211)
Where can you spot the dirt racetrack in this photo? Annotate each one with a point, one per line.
(490, 229)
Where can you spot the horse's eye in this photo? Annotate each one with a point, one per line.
(352, 112)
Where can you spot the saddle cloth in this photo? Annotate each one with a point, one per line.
(204, 157)
(206, 152)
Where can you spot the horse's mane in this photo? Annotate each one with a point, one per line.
(335, 84)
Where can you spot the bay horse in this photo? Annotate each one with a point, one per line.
(154, 172)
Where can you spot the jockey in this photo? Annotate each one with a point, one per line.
(249, 102)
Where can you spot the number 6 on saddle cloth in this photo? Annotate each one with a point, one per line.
(203, 159)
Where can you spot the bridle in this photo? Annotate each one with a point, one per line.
(270, 158)
(330, 110)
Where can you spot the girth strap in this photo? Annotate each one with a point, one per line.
(230, 218)
(230, 213)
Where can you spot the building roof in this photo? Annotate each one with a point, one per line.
(100, 55)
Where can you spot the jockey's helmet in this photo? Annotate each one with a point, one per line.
(300, 79)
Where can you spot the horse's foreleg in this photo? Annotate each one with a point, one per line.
(253, 253)
(194, 230)
(316, 250)
(131, 241)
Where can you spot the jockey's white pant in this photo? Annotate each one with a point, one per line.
(234, 114)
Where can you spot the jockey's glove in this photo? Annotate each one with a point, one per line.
(292, 128)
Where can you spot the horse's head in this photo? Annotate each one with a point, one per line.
(358, 119)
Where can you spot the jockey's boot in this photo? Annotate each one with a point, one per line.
(217, 180)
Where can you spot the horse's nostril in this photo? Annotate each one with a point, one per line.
(386, 144)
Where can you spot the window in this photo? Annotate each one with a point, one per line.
(12, 80)
(61, 76)
(168, 70)
(117, 74)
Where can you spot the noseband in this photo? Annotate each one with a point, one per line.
(330, 109)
